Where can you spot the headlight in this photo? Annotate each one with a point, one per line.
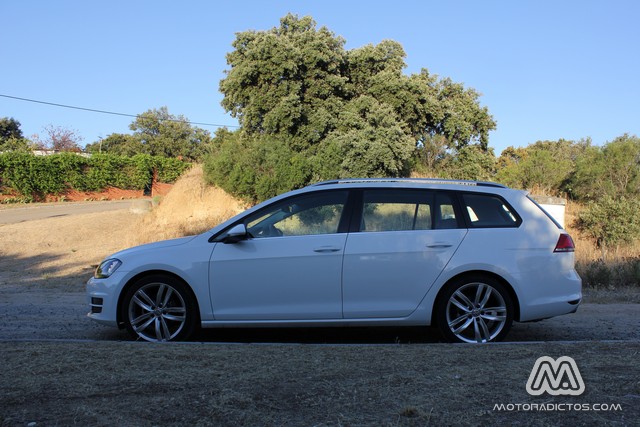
(107, 268)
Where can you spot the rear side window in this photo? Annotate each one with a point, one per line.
(405, 210)
(385, 210)
(489, 211)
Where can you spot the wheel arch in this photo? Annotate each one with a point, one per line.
(148, 273)
(502, 280)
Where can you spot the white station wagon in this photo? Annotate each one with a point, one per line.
(469, 257)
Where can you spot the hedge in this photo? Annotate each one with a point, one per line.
(37, 176)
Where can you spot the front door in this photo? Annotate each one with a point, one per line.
(289, 268)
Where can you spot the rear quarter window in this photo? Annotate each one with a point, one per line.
(489, 211)
(548, 215)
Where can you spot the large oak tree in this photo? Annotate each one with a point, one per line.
(348, 112)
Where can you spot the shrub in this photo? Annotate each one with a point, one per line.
(610, 274)
(169, 169)
(256, 169)
(611, 221)
(37, 176)
(30, 175)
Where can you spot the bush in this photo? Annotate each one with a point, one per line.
(611, 221)
(256, 169)
(610, 275)
(169, 169)
(37, 176)
(30, 175)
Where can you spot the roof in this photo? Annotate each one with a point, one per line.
(410, 180)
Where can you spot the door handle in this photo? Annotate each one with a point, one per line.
(439, 246)
(326, 249)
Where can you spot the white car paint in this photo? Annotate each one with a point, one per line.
(353, 278)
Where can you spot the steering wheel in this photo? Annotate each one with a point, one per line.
(268, 231)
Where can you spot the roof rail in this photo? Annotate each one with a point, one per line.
(411, 180)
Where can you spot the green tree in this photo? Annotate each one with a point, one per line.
(118, 143)
(255, 168)
(286, 81)
(471, 162)
(347, 113)
(9, 129)
(368, 143)
(458, 115)
(611, 170)
(611, 221)
(158, 133)
(544, 166)
(15, 144)
(429, 156)
(11, 138)
(166, 135)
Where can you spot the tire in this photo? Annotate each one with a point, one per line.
(474, 309)
(159, 308)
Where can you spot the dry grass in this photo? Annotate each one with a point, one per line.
(586, 249)
(64, 248)
(419, 175)
(190, 208)
(383, 385)
(615, 277)
(62, 251)
(127, 383)
(68, 247)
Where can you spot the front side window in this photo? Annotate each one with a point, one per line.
(488, 210)
(317, 213)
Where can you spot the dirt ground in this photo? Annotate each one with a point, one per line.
(61, 369)
(111, 383)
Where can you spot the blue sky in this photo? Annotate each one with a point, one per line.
(546, 69)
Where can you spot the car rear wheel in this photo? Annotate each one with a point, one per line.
(159, 308)
(474, 309)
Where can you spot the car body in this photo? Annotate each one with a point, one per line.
(469, 257)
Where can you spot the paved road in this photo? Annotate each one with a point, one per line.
(12, 215)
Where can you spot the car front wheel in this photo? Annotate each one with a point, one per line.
(474, 309)
(159, 308)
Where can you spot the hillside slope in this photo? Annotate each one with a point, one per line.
(191, 207)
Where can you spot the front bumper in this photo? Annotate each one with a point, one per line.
(102, 298)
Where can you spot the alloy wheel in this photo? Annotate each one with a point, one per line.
(157, 312)
(476, 313)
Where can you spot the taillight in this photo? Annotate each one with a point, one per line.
(565, 244)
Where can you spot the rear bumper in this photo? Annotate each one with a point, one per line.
(544, 308)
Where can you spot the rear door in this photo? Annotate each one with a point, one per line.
(396, 250)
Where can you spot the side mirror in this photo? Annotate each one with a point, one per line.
(236, 234)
